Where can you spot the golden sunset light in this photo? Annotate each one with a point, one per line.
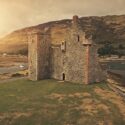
(15, 14)
(62, 62)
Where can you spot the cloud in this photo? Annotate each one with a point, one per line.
(16, 14)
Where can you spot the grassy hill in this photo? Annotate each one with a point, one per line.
(50, 102)
(104, 29)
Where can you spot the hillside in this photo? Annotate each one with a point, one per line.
(104, 29)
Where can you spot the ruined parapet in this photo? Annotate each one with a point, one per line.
(39, 52)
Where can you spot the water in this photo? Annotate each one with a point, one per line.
(13, 69)
(116, 65)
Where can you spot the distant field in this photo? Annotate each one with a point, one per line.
(7, 61)
(10, 66)
(50, 102)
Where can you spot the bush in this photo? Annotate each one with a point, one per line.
(107, 49)
(16, 75)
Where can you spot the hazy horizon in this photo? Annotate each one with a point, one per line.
(18, 14)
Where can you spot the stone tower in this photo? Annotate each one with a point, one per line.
(73, 59)
(39, 55)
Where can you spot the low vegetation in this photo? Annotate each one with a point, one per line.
(51, 102)
(108, 49)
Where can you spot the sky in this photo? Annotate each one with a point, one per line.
(16, 14)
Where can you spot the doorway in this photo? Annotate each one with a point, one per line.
(63, 76)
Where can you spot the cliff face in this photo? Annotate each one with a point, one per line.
(103, 29)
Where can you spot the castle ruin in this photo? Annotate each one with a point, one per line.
(73, 59)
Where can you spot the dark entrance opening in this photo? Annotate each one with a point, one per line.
(63, 76)
(78, 38)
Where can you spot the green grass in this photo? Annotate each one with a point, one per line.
(24, 102)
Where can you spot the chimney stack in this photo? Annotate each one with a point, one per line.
(75, 19)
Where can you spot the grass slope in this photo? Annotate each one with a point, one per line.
(50, 102)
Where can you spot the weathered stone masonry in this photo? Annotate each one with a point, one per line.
(39, 56)
(74, 59)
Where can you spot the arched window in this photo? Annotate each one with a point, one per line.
(63, 46)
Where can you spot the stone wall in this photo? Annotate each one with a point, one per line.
(69, 63)
(96, 74)
(74, 58)
(43, 56)
(56, 62)
(39, 56)
(32, 56)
